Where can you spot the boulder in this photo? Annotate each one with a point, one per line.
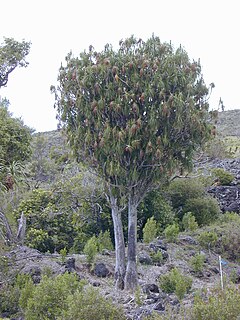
(144, 258)
(101, 270)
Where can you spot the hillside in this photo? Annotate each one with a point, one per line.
(179, 268)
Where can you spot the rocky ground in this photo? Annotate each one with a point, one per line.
(149, 297)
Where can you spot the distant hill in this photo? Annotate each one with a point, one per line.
(229, 123)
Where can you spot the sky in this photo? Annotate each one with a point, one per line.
(208, 30)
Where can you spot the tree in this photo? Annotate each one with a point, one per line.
(15, 139)
(12, 55)
(139, 113)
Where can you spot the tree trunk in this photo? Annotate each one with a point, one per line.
(131, 278)
(120, 268)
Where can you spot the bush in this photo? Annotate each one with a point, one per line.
(157, 257)
(181, 190)
(225, 178)
(157, 206)
(91, 249)
(49, 297)
(205, 210)
(208, 239)
(171, 232)
(89, 304)
(197, 262)
(150, 230)
(104, 241)
(217, 305)
(175, 282)
(189, 222)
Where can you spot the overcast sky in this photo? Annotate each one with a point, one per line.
(208, 30)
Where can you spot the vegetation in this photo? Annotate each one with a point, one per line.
(128, 116)
(134, 123)
(12, 55)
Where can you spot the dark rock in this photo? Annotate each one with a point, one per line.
(144, 258)
(151, 287)
(159, 244)
(101, 270)
(227, 196)
(70, 265)
(35, 273)
(188, 239)
(159, 306)
(214, 270)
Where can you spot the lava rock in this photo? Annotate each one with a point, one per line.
(101, 270)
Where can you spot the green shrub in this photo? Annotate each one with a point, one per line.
(225, 178)
(230, 217)
(175, 282)
(157, 257)
(157, 206)
(181, 190)
(150, 230)
(208, 239)
(91, 249)
(89, 304)
(217, 305)
(189, 222)
(205, 210)
(197, 262)
(49, 297)
(171, 232)
(229, 242)
(104, 241)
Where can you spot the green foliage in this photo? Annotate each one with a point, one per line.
(181, 190)
(208, 239)
(150, 230)
(63, 253)
(155, 205)
(104, 241)
(217, 304)
(225, 178)
(175, 282)
(122, 85)
(12, 55)
(10, 293)
(171, 232)
(205, 210)
(157, 257)
(91, 249)
(89, 304)
(189, 222)
(197, 262)
(49, 298)
(15, 148)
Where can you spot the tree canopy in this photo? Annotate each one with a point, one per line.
(12, 55)
(139, 113)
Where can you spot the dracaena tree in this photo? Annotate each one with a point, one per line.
(138, 113)
(12, 55)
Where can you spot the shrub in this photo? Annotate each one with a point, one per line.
(157, 206)
(205, 210)
(49, 298)
(225, 178)
(217, 305)
(208, 239)
(104, 241)
(150, 230)
(91, 249)
(176, 282)
(189, 222)
(197, 262)
(181, 190)
(157, 257)
(171, 232)
(89, 304)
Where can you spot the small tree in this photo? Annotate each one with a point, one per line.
(12, 55)
(138, 113)
(150, 230)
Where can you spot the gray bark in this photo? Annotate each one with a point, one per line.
(131, 278)
(120, 268)
(7, 233)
